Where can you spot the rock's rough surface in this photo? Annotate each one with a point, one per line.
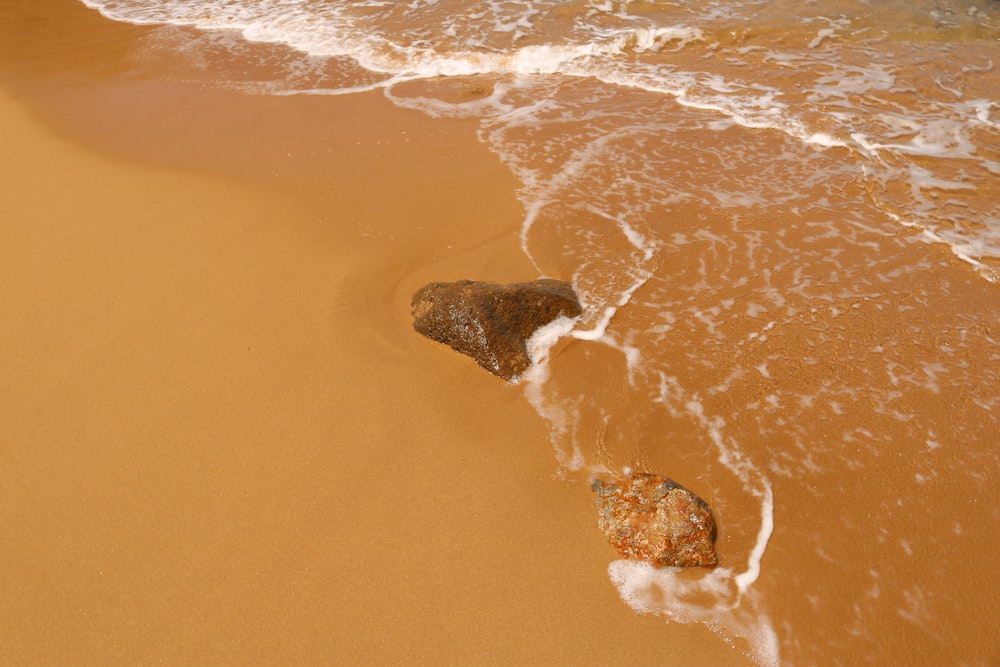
(652, 518)
(490, 322)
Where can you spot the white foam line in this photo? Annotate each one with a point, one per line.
(744, 470)
(983, 108)
(648, 589)
(735, 610)
(436, 108)
(638, 240)
(825, 140)
(791, 127)
(542, 341)
(353, 90)
(530, 216)
(579, 159)
(823, 34)
(987, 272)
(539, 349)
(600, 330)
(748, 577)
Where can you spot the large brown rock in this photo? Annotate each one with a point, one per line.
(652, 518)
(490, 322)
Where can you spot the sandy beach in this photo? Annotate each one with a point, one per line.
(222, 441)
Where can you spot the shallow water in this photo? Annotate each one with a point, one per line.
(783, 221)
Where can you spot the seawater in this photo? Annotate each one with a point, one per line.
(783, 220)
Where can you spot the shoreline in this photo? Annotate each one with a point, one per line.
(231, 447)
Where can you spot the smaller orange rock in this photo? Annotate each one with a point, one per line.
(652, 518)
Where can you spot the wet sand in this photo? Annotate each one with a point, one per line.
(223, 443)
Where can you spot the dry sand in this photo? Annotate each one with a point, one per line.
(222, 442)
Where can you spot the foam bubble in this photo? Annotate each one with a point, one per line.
(826, 33)
(672, 592)
(825, 140)
(560, 416)
(544, 339)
